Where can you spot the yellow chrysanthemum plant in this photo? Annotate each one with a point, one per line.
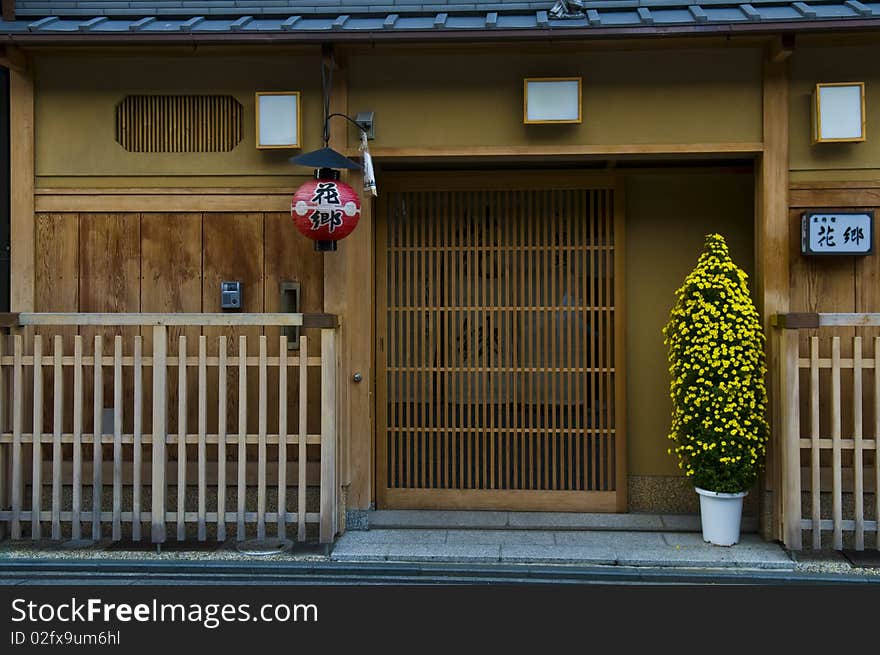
(717, 367)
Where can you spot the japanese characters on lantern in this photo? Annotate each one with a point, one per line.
(325, 209)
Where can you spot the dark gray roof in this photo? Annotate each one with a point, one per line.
(131, 20)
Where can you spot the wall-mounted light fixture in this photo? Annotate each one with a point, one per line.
(552, 100)
(278, 120)
(839, 112)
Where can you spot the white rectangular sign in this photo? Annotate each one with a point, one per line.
(837, 233)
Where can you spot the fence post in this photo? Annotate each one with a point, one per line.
(4, 409)
(791, 452)
(328, 436)
(160, 431)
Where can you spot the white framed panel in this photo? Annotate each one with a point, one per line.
(839, 112)
(278, 119)
(551, 100)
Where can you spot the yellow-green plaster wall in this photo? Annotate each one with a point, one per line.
(833, 161)
(688, 96)
(75, 106)
(667, 218)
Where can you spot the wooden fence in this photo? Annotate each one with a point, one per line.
(829, 373)
(201, 407)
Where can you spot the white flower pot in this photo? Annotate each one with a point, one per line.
(721, 515)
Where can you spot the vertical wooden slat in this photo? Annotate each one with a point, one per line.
(594, 263)
(836, 459)
(858, 461)
(578, 300)
(450, 262)
(282, 437)
(203, 430)
(116, 530)
(536, 435)
(328, 436)
(482, 341)
(815, 481)
(607, 341)
(242, 436)
(568, 361)
(182, 429)
(17, 419)
(5, 392)
(261, 443)
(76, 518)
(160, 430)
(405, 361)
(57, 431)
(492, 256)
(549, 350)
(791, 438)
(97, 438)
(506, 392)
(402, 404)
(137, 455)
(436, 340)
(877, 437)
(601, 301)
(37, 459)
(221, 439)
(526, 300)
(421, 361)
(302, 429)
(466, 338)
(390, 290)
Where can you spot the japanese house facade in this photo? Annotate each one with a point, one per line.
(500, 303)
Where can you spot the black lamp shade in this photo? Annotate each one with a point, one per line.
(324, 158)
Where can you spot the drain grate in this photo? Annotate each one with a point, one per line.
(865, 559)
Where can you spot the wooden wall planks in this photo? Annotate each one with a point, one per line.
(174, 262)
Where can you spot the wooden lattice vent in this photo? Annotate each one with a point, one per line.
(179, 123)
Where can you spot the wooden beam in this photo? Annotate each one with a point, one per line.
(174, 318)
(832, 195)
(7, 9)
(320, 321)
(12, 57)
(782, 47)
(772, 259)
(162, 201)
(557, 150)
(21, 141)
(795, 320)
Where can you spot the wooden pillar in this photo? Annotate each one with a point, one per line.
(348, 293)
(8, 10)
(21, 142)
(329, 438)
(790, 439)
(160, 433)
(772, 261)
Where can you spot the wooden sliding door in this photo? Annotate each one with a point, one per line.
(500, 343)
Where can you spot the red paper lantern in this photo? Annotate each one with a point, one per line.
(325, 210)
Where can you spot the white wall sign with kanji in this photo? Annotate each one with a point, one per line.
(837, 233)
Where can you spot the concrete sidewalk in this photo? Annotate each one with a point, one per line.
(576, 547)
(648, 540)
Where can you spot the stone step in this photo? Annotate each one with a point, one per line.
(500, 520)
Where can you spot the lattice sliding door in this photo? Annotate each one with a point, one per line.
(497, 353)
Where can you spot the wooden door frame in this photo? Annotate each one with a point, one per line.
(605, 501)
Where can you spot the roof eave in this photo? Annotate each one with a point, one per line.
(374, 36)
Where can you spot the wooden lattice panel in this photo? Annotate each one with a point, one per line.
(179, 123)
(497, 378)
